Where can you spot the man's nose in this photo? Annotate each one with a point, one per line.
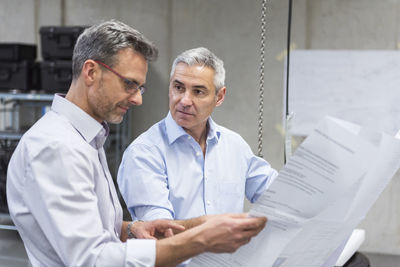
(136, 98)
(186, 99)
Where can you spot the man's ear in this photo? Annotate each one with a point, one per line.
(90, 72)
(221, 96)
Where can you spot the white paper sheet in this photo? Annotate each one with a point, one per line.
(356, 239)
(318, 198)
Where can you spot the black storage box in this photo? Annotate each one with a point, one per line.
(18, 75)
(58, 42)
(17, 52)
(56, 76)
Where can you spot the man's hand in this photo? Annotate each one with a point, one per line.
(155, 229)
(217, 233)
(226, 233)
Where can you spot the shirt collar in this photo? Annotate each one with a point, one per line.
(213, 131)
(174, 131)
(85, 124)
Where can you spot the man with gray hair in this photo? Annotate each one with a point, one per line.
(60, 192)
(187, 165)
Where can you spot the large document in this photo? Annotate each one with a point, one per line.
(318, 198)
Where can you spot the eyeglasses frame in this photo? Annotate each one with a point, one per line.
(127, 82)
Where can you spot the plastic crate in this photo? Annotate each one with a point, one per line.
(17, 52)
(18, 75)
(56, 76)
(58, 41)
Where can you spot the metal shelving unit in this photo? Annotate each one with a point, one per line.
(10, 135)
(10, 104)
(5, 97)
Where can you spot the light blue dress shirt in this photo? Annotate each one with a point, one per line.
(62, 198)
(164, 174)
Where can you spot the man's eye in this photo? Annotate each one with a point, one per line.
(199, 92)
(130, 85)
(179, 88)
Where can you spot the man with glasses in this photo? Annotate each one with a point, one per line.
(60, 192)
(187, 165)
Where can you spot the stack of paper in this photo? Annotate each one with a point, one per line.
(318, 198)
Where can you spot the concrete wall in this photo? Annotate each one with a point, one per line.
(231, 29)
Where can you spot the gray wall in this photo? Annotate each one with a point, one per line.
(231, 29)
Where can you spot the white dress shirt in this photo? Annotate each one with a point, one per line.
(62, 198)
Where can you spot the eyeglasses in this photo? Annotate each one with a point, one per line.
(130, 86)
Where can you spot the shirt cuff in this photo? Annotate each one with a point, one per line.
(140, 252)
(149, 214)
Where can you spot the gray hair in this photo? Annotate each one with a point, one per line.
(202, 56)
(103, 41)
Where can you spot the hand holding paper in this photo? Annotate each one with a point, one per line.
(318, 198)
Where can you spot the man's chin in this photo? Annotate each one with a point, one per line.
(115, 119)
(183, 123)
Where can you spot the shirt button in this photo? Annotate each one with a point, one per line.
(189, 137)
(198, 153)
(208, 203)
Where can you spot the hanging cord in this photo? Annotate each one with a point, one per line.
(288, 56)
(261, 90)
(288, 138)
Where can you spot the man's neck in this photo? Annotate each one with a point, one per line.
(200, 136)
(76, 95)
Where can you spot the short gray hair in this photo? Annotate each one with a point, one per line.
(202, 56)
(103, 41)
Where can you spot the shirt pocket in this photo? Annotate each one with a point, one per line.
(230, 197)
